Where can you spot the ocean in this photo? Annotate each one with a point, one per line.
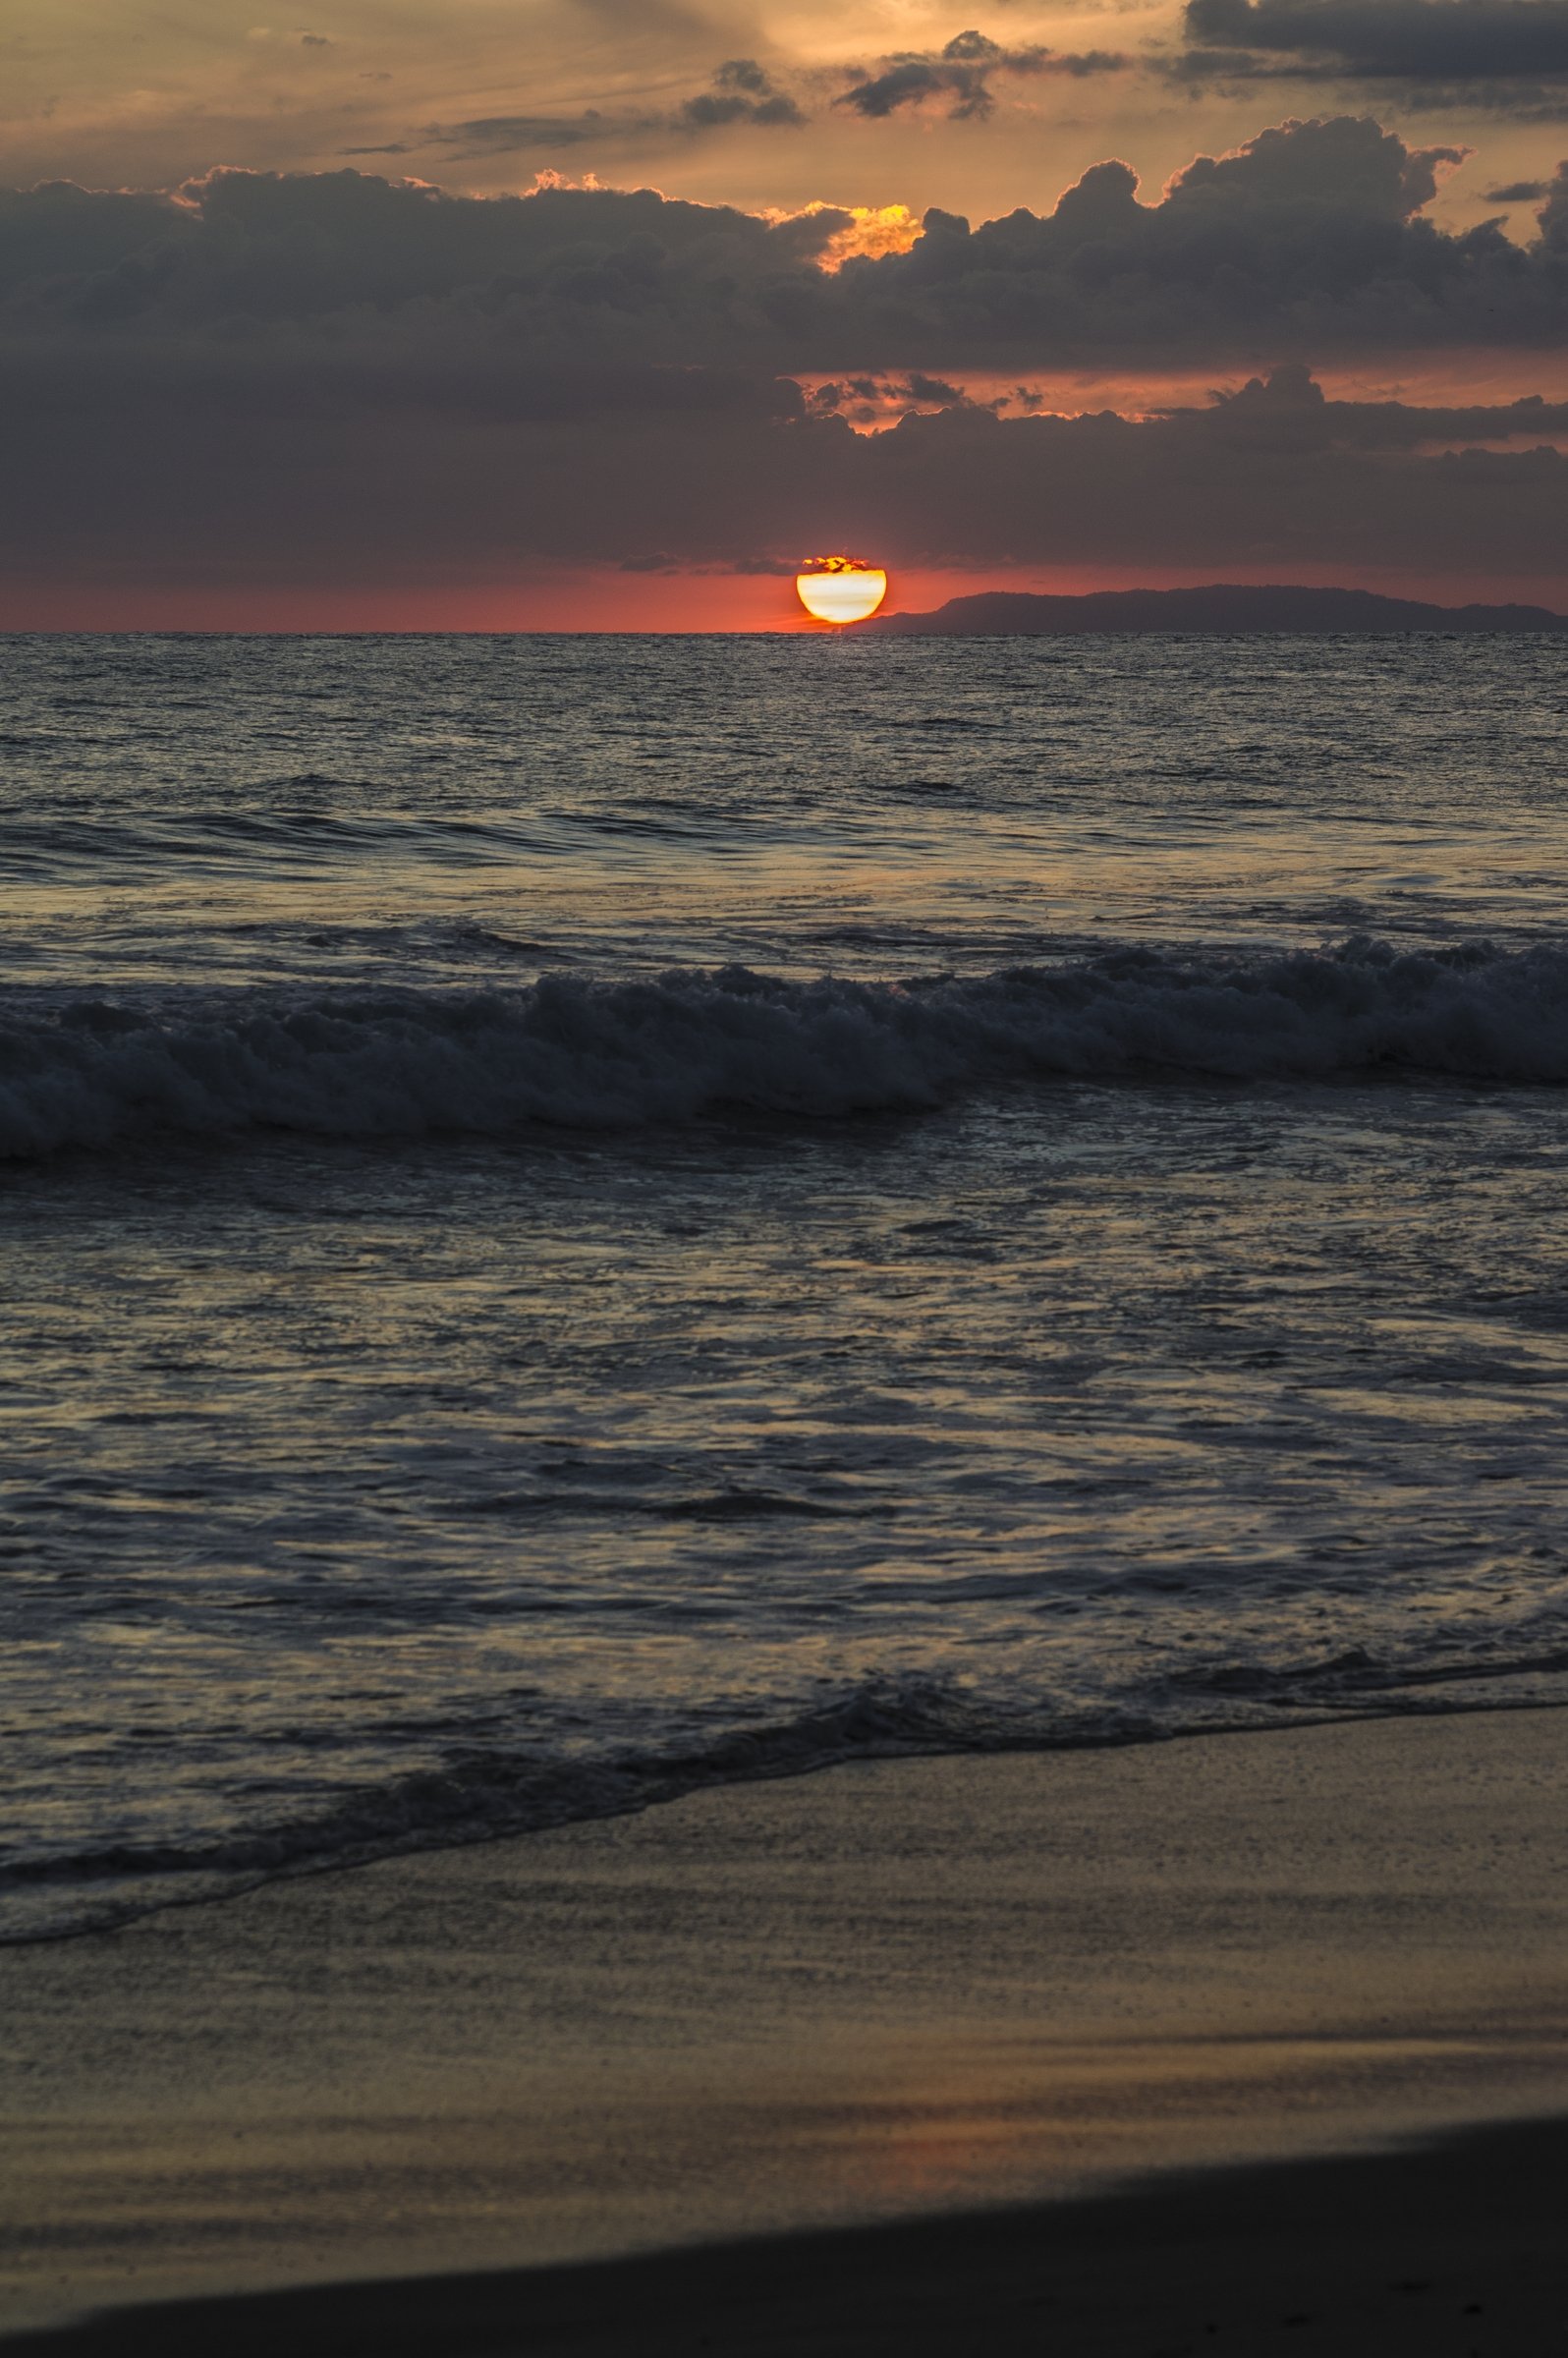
(582, 1218)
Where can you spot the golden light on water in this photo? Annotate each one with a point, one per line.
(840, 588)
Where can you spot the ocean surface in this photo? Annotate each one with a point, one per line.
(582, 1218)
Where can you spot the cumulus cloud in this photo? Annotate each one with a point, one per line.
(1311, 240)
(1347, 162)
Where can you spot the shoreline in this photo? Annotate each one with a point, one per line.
(248, 1880)
(903, 1990)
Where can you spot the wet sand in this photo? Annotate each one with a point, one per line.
(905, 1993)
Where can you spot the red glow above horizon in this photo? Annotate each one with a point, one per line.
(594, 599)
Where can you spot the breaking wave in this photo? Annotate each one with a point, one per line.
(614, 1053)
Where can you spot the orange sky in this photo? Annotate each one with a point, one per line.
(583, 599)
(117, 94)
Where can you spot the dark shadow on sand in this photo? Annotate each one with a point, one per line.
(1455, 2246)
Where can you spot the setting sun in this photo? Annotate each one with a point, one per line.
(840, 588)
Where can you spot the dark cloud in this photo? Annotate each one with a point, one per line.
(1271, 476)
(345, 380)
(921, 387)
(339, 376)
(876, 400)
(962, 74)
(1288, 411)
(1500, 57)
(1080, 64)
(1518, 191)
(1408, 40)
(977, 48)
(1267, 477)
(63, 237)
(778, 568)
(744, 74)
(915, 80)
(710, 109)
(532, 135)
(1553, 217)
(1351, 165)
(1310, 241)
(740, 94)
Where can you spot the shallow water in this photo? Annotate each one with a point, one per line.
(494, 1335)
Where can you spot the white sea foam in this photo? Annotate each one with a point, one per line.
(621, 1052)
(618, 1053)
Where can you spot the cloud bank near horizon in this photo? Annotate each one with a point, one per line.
(334, 377)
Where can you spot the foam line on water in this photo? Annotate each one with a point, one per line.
(475, 1793)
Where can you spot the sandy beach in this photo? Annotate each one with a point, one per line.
(911, 1992)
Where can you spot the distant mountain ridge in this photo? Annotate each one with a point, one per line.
(1223, 607)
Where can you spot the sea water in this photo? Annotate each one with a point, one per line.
(582, 1218)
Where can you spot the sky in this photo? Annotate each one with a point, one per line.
(605, 313)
